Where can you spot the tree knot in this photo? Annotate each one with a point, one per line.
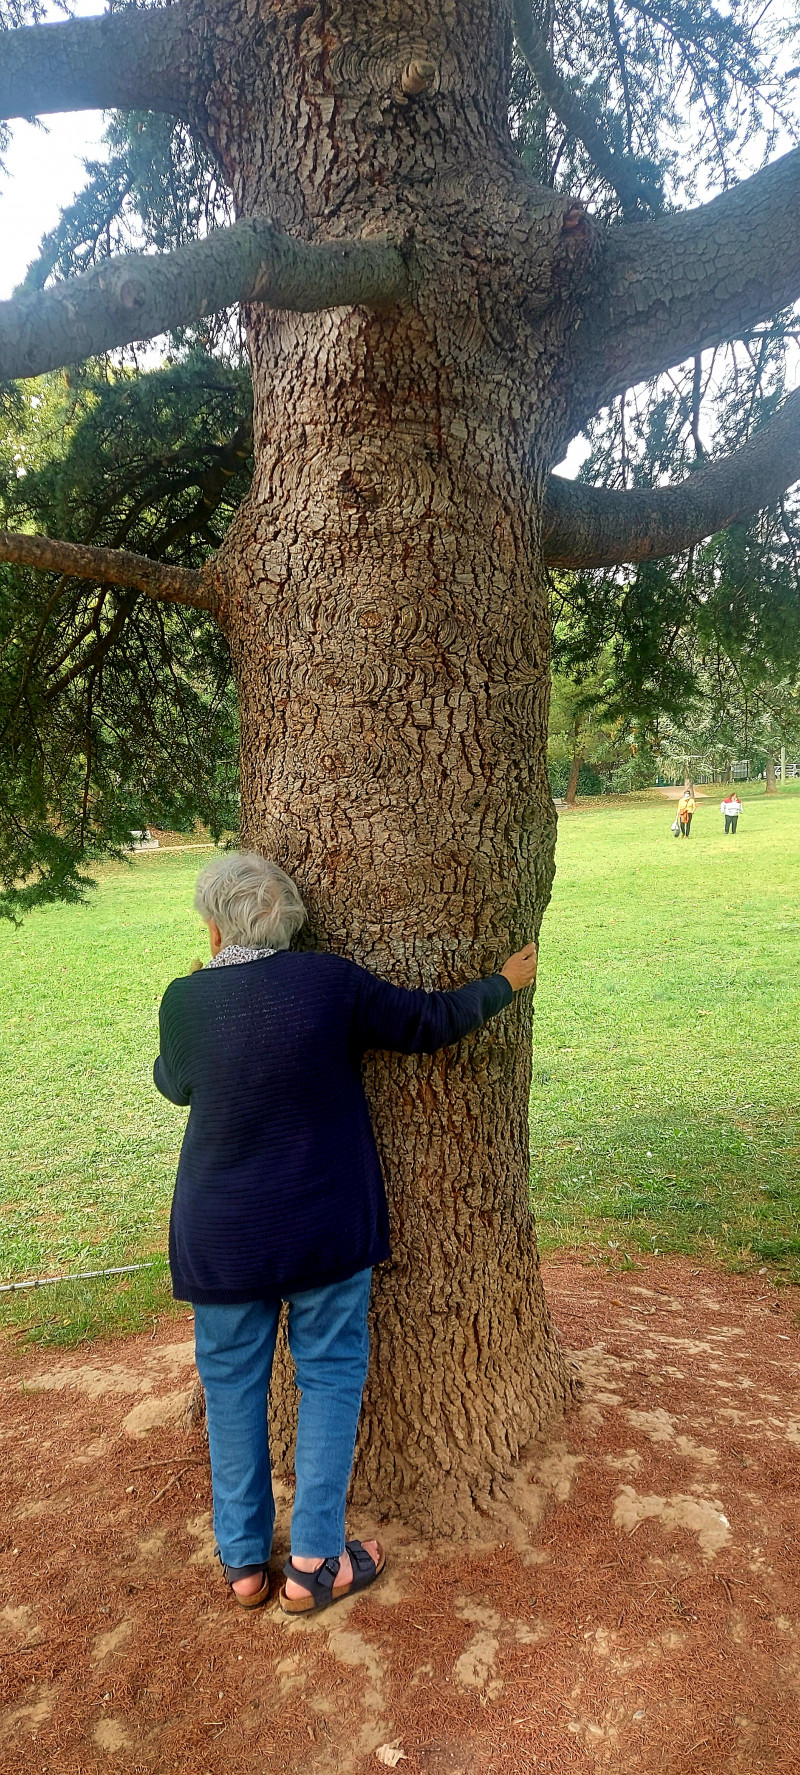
(125, 289)
(419, 76)
(574, 217)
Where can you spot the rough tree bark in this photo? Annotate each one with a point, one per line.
(383, 592)
(771, 785)
(667, 288)
(385, 605)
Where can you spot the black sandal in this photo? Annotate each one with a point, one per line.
(320, 1584)
(232, 1573)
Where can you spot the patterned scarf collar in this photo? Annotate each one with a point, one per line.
(234, 953)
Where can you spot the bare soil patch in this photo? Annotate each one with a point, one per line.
(635, 1607)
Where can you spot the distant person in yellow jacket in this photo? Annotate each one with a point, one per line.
(686, 807)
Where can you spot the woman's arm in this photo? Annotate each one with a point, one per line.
(166, 1069)
(164, 1082)
(415, 1022)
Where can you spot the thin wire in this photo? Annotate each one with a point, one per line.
(125, 1269)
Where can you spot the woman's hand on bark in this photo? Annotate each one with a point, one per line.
(520, 969)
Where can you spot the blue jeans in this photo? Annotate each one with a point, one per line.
(234, 1348)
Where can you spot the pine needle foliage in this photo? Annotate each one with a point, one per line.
(115, 710)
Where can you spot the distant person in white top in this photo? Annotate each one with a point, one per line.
(731, 807)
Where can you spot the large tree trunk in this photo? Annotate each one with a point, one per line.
(771, 783)
(386, 611)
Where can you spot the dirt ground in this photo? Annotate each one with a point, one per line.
(635, 1608)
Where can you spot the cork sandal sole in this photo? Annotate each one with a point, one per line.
(259, 1597)
(322, 1596)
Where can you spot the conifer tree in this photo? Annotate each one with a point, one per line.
(447, 262)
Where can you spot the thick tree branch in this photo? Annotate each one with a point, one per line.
(595, 527)
(127, 61)
(117, 567)
(666, 289)
(138, 295)
(620, 171)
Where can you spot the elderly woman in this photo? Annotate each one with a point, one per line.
(279, 1196)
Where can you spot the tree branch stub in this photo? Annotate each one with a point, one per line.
(419, 76)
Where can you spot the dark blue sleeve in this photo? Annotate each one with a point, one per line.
(420, 1022)
(164, 1083)
(165, 1071)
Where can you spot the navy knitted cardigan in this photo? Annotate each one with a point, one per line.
(279, 1186)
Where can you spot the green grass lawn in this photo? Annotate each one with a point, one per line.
(664, 1108)
(90, 1148)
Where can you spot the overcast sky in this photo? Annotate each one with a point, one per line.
(45, 171)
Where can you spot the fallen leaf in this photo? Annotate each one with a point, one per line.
(390, 1754)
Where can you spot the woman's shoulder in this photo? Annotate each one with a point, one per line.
(318, 964)
(325, 964)
(333, 972)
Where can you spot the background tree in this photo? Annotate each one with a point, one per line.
(698, 655)
(442, 282)
(580, 730)
(116, 709)
(740, 716)
(673, 633)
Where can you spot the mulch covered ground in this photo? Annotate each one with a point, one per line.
(637, 1609)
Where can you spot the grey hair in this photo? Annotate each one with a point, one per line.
(253, 901)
